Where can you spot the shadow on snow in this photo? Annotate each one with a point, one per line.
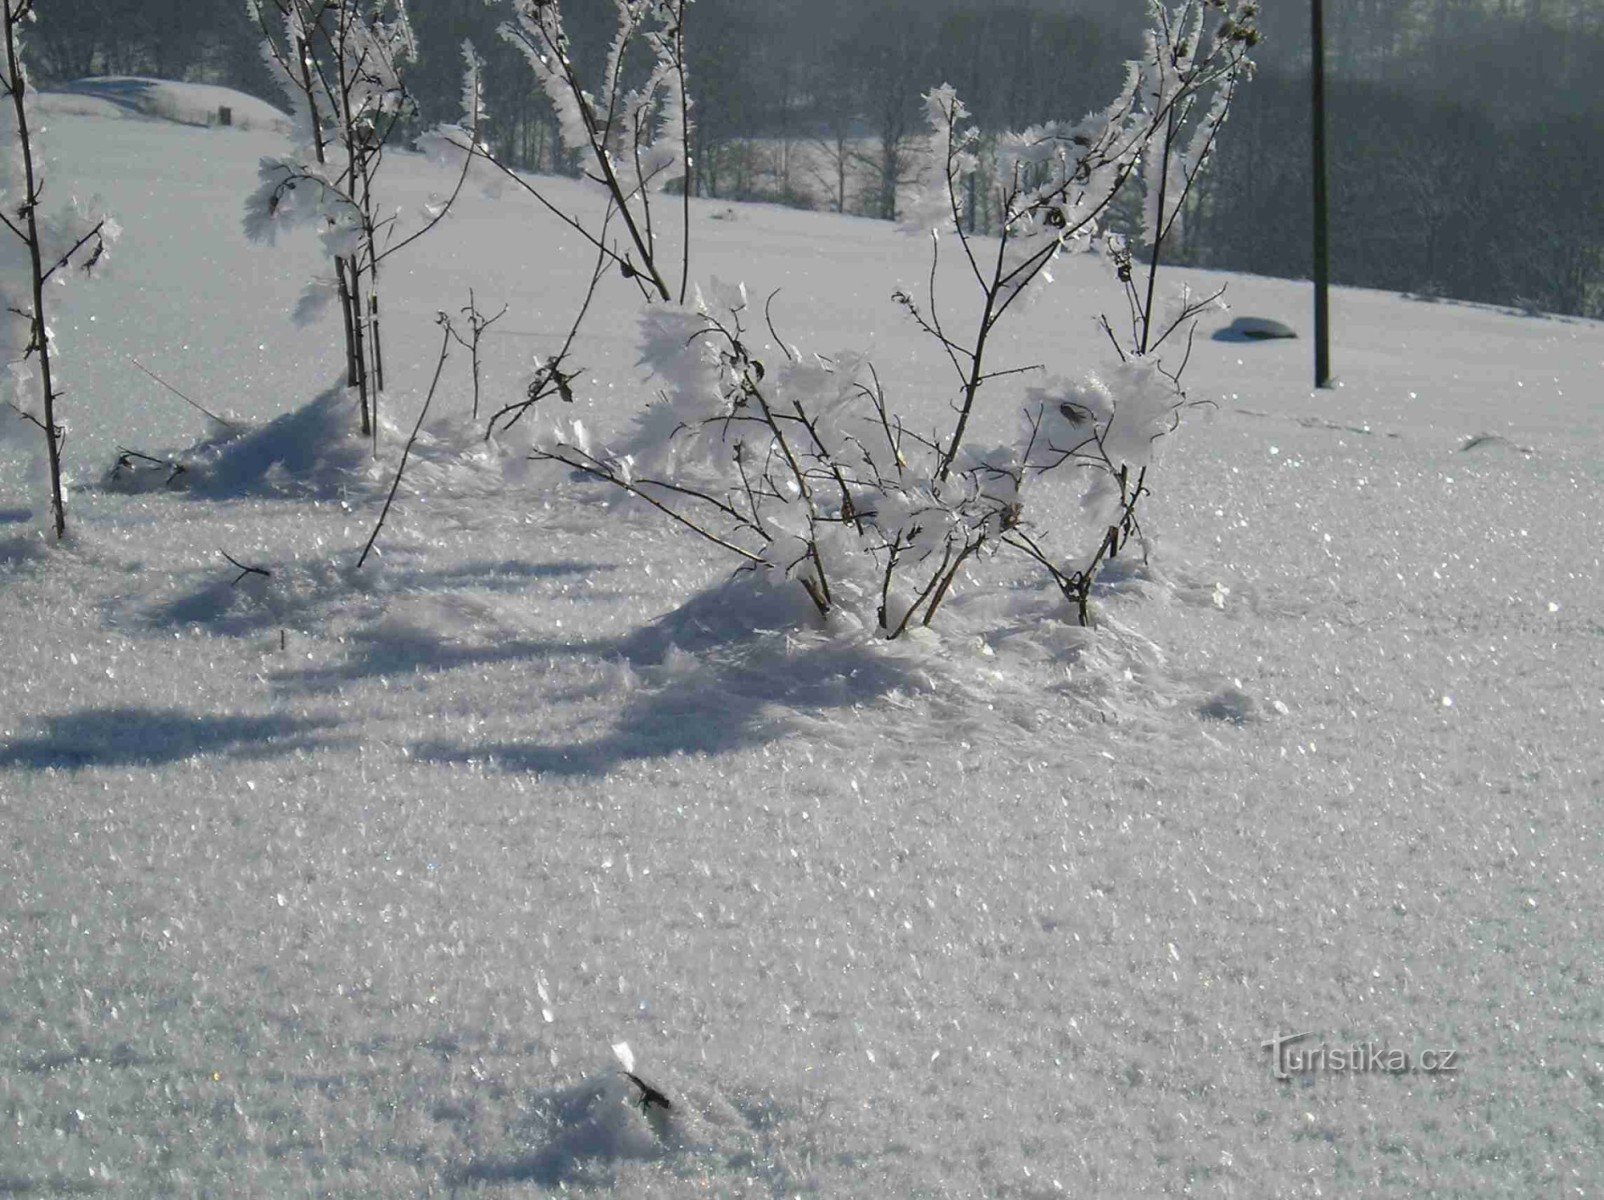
(102, 737)
(737, 666)
(707, 704)
(306, 592)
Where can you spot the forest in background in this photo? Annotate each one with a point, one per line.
(1465, 134)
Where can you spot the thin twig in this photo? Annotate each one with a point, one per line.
(197, 407)
(439, 366)
(244, 570)
(768, 318)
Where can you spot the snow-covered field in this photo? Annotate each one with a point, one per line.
(347, 883)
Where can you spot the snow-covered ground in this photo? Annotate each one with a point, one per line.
(347, 883)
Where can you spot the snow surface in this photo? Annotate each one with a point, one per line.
(349, 883)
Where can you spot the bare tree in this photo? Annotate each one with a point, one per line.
(891, 52)
(835, 115)
(832, 168)
(51, 244)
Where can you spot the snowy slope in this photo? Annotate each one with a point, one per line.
(346, 884)
(133, 97)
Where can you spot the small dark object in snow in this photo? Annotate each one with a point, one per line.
(244, 570)
(1254, 329)
(649, 1096)
(1493, 441)
(1231, 705)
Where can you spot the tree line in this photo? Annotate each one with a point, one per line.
(1462, 130)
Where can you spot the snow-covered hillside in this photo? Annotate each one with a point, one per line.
(348, 883)
(132, 97)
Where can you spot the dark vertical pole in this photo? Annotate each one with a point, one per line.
(378, 349)
(350, 329)
(1322, 254)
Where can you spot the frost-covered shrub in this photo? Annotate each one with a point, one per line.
(38, 246)
(342, 64)
(633, 137)
(802, 469)
(634, 140)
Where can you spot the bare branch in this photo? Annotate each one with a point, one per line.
(406, 451)
(245, 571)
(206, 412)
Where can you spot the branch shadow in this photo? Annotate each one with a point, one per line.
(735, 667)
(706, 705)
(301, 591)
(102, 737)
(503, 574)
(22, 550)
(384, 653)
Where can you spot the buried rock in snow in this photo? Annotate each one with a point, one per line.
(1254, 329)
(1232, 705)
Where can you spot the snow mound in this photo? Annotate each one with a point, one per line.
(452, 457)
(316, 451)
(591, 1131)
(752, 660)
(745, 608)
(747, 663)
(1255, 329)
(131, 97)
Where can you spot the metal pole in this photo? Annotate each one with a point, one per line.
(1322, 254)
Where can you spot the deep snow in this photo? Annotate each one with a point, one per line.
(347, 883)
